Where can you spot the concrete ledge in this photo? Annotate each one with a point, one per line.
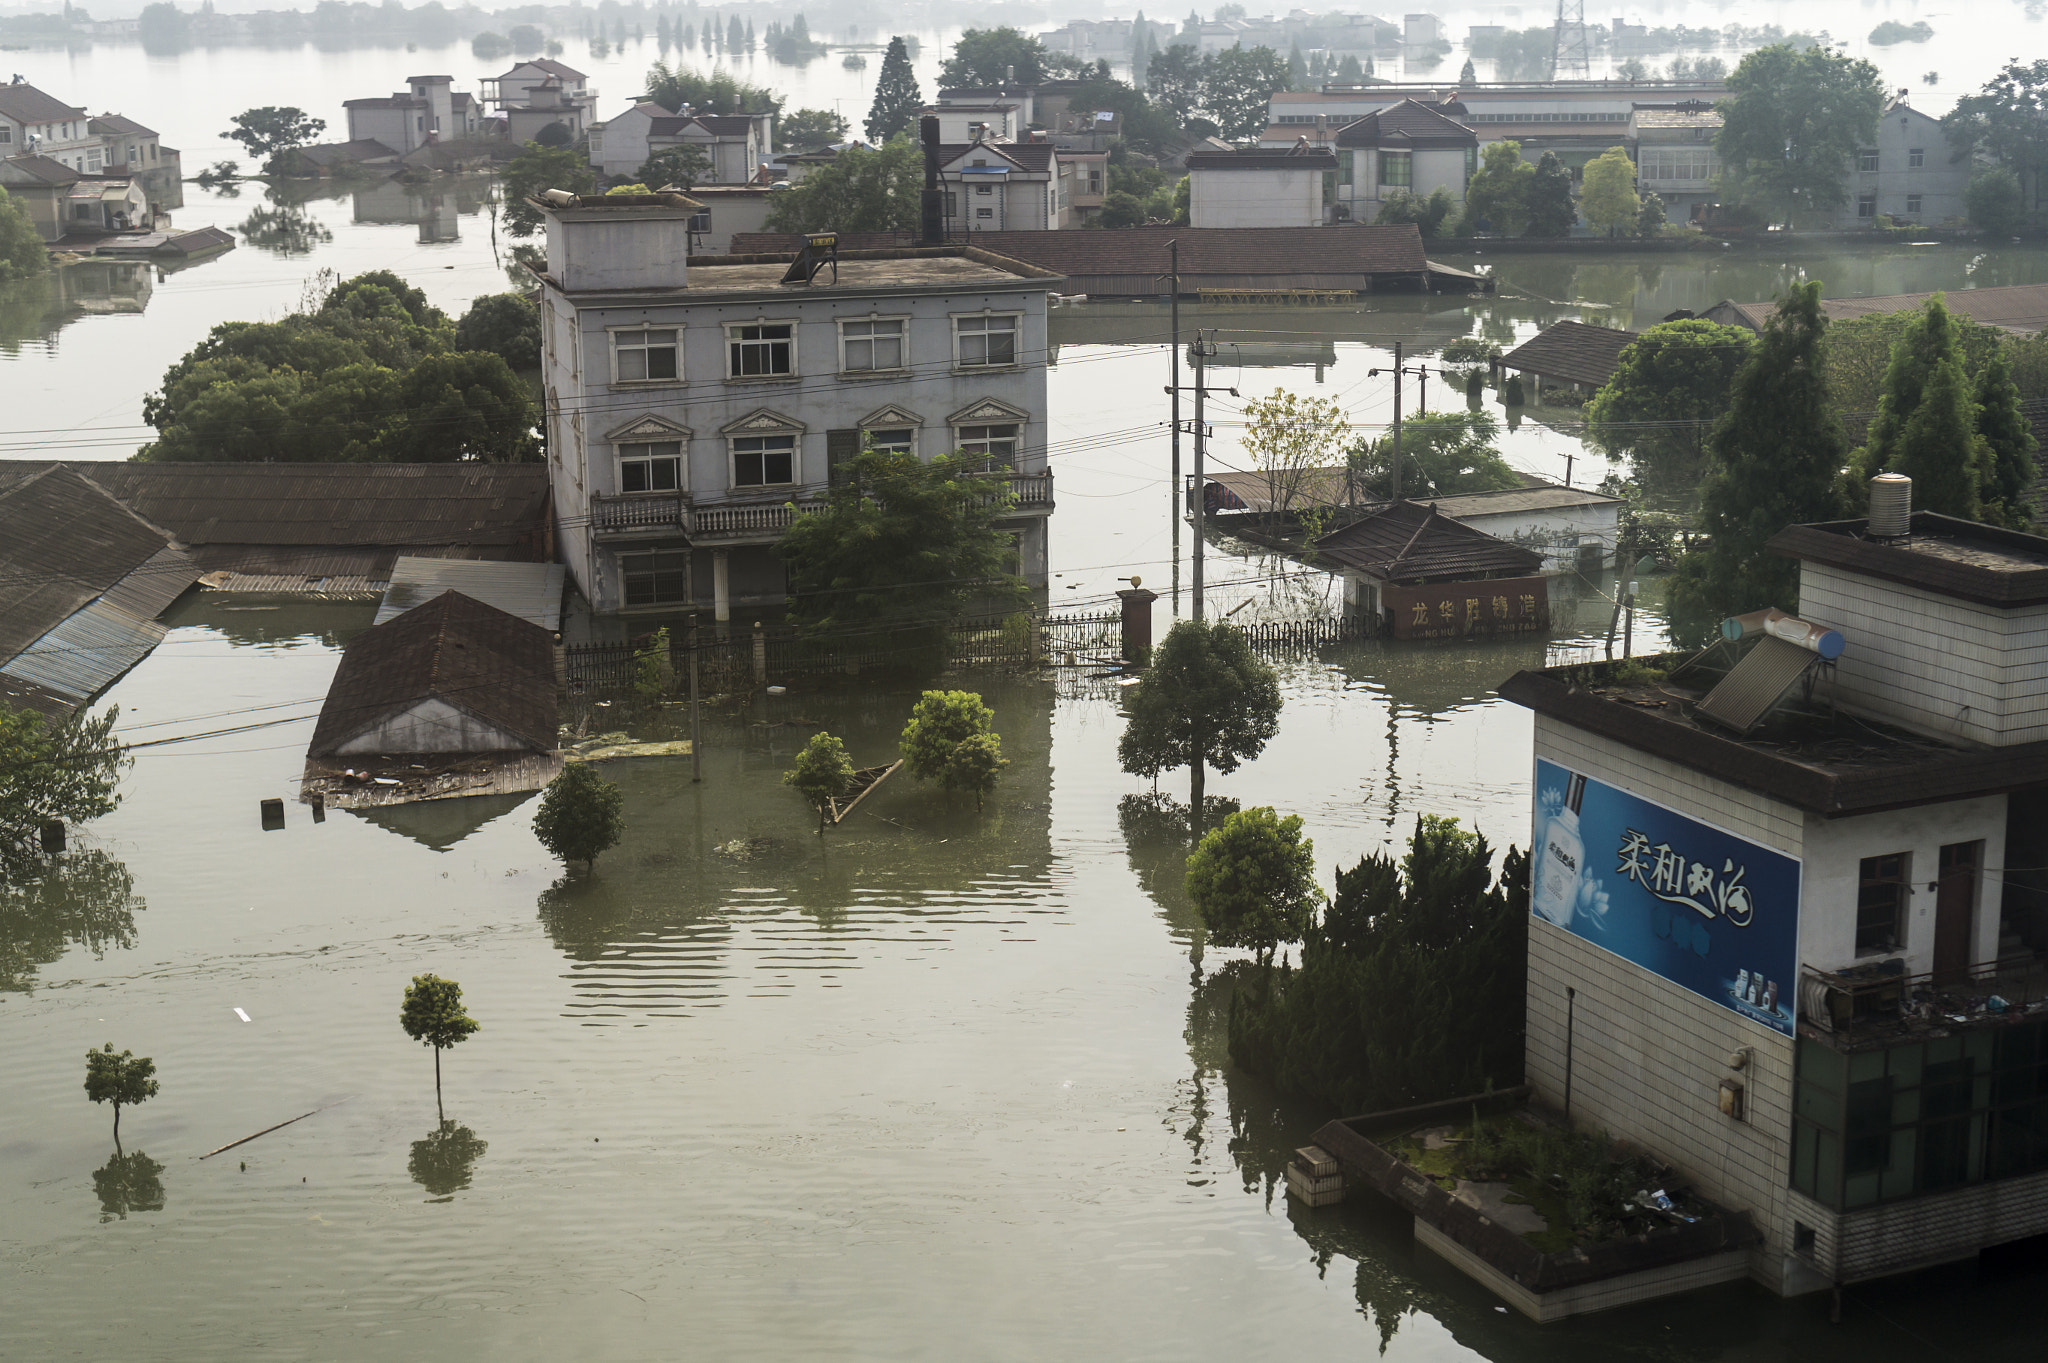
(1579, 1300)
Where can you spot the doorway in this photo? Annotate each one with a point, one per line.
(1955, 909)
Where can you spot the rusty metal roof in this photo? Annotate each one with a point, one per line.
(474, 657)
(86, 652)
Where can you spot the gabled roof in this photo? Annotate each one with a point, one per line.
(1408, 541)
(474, 657)
(1571, 352)
(63, 541)
(36, 169)
(549, 65)
(1407, 124)
(25, 104)
(115, 123)
(2016, 307)
(1031, 157)
(725, 125)
(335, 153)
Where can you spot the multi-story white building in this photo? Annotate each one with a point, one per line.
(1258, 188)
(1908, 171)
(733, 144)
(1675, 156)
(1005, 187)
(694, 410)
(1788, 927)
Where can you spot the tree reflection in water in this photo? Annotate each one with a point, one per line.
(84, 898)
(442, 1163)
(284, 229)
(128, 1183)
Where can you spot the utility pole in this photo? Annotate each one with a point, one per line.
(1419, 371)
(1179, 493)
(1200, 351)
(696, 738)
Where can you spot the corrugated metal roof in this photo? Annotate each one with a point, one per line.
(1756, 684)
(531, 591)
(156, 584)
(63, 541)
(86, 652)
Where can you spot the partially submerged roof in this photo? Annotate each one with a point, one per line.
(1981, 564)
(1408, 541)
(1571, 352)
(454, 649)
(1255, 490)
(63, 541)
(531, 591)
(2016, 307)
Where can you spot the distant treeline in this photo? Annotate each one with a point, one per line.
(170, 25)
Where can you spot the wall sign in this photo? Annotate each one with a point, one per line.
(1461, 610)
(1705, 909)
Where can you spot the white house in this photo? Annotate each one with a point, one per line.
(1403, 147)
(727, 210)
(1675, 156)
(1258, 188)
(695, 409)
(1908, 171)
(1786, 922)
(1003, 187)
(33, 122)
(517, 86)
(733, 144)
(978, 121)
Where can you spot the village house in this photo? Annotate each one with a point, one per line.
(1003, 187)
(991, 121)
(1787, 913)
(1908, 173)
(1404, 148)
(427, 111)
(733, 144)
(37, 128)
(1258, 188)
(727, 210)
(697, 406)
(1675, 156)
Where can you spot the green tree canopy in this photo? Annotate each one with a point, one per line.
(269, 134)
(1253, 880)
(1205, 701)
(1776, 460)
(21, 247)
(673, 166)
(1551, 209)
(581, 815)
(1178, 80)
(2008, 118)
(1994, 202)
(1498, 196)
(1442, 455)
(897, 98)
(1926, 423)
(716, 92)
(534, 168)
(2008, 451)
(1610, 203)
(432, 1014)
(809, 129)
(1238, 84)
(822, 773)
(126, 1079)
(506, 325)
(63, 770)
(860, 191)
(1668, 390)
(1797, 118)
(900, 552)
(992, 56)
(951, 739)
(1434, 215)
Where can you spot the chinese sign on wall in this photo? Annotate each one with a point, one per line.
(1461, 610)
(1709, 911)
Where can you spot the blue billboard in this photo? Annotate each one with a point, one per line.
(1709, 911)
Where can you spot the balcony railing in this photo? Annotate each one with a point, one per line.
(648, 513)
(1875, 1005)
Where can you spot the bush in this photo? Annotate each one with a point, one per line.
(822, 774)
(1511, 392)
(1253, 880)
(581, 815)
(1994, 202)
(950, 739)
(505, 324)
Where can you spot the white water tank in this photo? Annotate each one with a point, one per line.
(1891, 506)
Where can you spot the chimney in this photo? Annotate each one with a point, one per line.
(932, 203)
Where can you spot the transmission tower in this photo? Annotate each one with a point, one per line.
(1571, 53)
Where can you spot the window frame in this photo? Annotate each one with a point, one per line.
(733, 452)
(1866, 206)
(734, 339)
(1874, 882)
(1015, 439)
(621, 458)
(1916, 158)
(902, 323)
(908, 446)
(1405, 159)
(613, 334)
(1868, 161)
(680, 562)
(983, 318)
(1913, 204)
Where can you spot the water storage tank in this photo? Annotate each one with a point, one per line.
(1891, 506)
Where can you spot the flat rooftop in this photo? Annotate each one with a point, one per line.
(1963, 559)
(957, 268)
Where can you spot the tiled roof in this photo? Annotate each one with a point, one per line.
(552, 67)
(474, 657)
(63, 541)
(725, 125)
(115, 123)
(25, 104)
(2016, 307)
(1404, 125)
(1571, 352)
(429, 80)
(362, 149)
(1034, 157)
(43, 169)
(1408, 541)
(1300, 158)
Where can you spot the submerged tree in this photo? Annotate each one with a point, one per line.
(1206, 701)
(1668, 390)
(124, 1079)
(951, 739)
(1253, 881)
(580, 815)
(22, 252)
(64, 771)
(822, 774)
(271, 134)
(433, 1015)
(1443, 454)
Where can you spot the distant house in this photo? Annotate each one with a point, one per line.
(733, 144)
(1405, 148)
(35, 124)
(451, 676)
(1421, 574)
(62, 202)
(726, 211)
(1002, 187)
(538, 92)
(1258, 188)
(1909, 172)
(989, 121)
(1573, 353)
(1675, 156)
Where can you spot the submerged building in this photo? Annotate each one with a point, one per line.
(1788, 910)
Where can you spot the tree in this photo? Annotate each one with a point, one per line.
(2008, 118)
(1443, 454)
(1290, 439)
(1651, 217)
(1177, 79)
(1349, 72)
(1551, 210)
(21, 247)
(432, 1014)
(1297, 67)
(505, 324)
(997, 56)
(1796, 119)
(1253, 881)
(719, 92)
(1467, 75)
(859, 191)
(1206, 701)
(274, 131)
(809, 129)
(121, 1079)
(672, 167)
(1497, 198)
(822, 774)
(581, 815)
(897, 98)
(63, 770)
(951, 739)
(1143, 44)
(1776, 460)
(1609, 202)
(1994, 203)
(1926, 423)
(1411, 988)
(1120, 209)
(1239, 84)
(2008, 446)
(556, 135)
(534, 168)
(1432, 214)
(162, 27)
(901, 550)
(1668, 390)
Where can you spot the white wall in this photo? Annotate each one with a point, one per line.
(622, 146)
(431, 726)
(1241, 197)
(1835, 847)
(1559, 533)
(731, 211)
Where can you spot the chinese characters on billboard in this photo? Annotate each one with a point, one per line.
(1709, 911)
(1460, 610)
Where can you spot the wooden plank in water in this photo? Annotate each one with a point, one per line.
(864, 780)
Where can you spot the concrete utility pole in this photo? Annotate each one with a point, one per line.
(1200, 352)
(696, 738)
(1420, 372)
(1179, 493)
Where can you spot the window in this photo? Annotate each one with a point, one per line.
(1866, 205)
(645, 355)
(1344, 160)
(985, 341)
(653, 467)
(656, 579)
(1916, 158)
(1881, 891)
(871, 345)
(6, 133)
(1866, 161)
(81, 210)
(984, 212)
(1913, 204)
(92, 162)
(761, 350)
(1678, 164)
(995, 445)
(1094, 179)
(1397, 168)
(700, 221)
(984, 189)
(892, 439)
(763, 460)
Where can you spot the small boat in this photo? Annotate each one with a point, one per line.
(854, 62)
